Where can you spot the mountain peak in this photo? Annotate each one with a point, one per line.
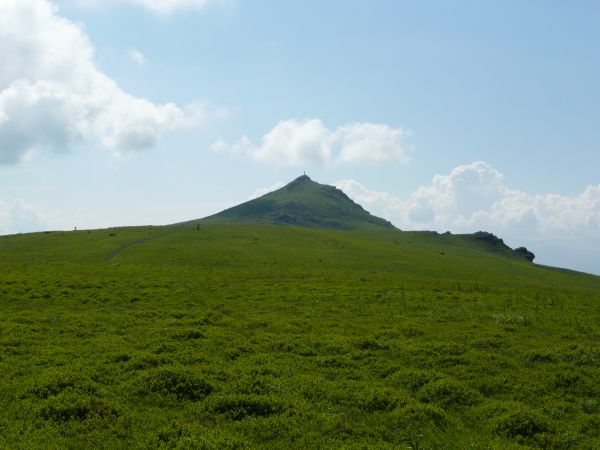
(301, 180)
(302, 202)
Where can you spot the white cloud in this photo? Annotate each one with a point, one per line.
(295, 143)
(160, 6)
(378, 203)
(137, 57)
(265, 190)
(19, 217)
(308, 142)
(474, 196)
(52, 94)
(373, 142)
(239, 148)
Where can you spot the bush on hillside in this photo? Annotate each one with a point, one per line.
(449, 393)
(73, 406)
(238, 407)
(521, 422)
(171, 381)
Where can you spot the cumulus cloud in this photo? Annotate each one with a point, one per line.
(52, 95)
(293, 143)
(372, 142)
(159, 6)
(18, 217)
(474, 196)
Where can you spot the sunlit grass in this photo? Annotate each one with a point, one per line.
(280, 337)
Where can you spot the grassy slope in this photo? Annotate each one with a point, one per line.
(240, 336)
(302, 202)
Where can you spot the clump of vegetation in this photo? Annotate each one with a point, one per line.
(181, 436)
(448, 393)
(521, 423)
(238, 407)
(54, 382)
(372, 344)
(73, 406)
(413, 379)
(370, 399)
(171, 381)
(188, 334)
(418, 416)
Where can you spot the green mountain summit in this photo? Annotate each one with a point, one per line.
(304, 203)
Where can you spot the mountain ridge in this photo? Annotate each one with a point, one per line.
(306, 203)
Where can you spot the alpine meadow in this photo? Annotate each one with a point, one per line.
(238, 332)
(299, 225)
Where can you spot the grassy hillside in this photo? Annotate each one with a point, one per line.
(257, 336)
(305, 203)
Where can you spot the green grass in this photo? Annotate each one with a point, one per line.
(258, 336)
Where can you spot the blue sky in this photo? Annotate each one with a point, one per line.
(460, 115)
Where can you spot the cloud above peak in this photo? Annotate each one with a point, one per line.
(53, 96)
(372, 142)
(308, 142)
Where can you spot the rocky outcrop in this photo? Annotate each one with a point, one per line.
(522, 251)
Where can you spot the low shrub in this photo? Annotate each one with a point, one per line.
(591, 426)
(172, 381)
(124, 357)
(570, 381)
(238, 407)
(521, 422)
(412, 331)
(418, 415)
(189, 334)
(367, 400)
(54, 382)
(149, 362)
(590, 406)
(448, 393)
(541, 356)
(186, 437)
(377, 400)
(413, 379)
(371, 344)
(253, 384)
(72, 406)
